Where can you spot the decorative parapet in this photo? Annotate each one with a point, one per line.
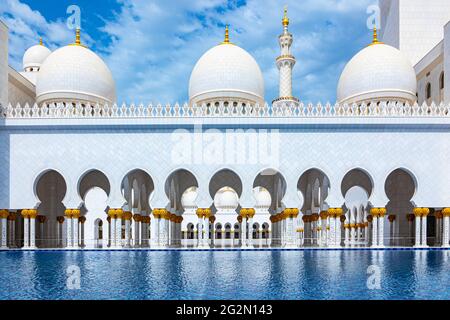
(224, 109)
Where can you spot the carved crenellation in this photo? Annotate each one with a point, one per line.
(224, 109)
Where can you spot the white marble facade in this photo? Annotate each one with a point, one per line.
(225, 169)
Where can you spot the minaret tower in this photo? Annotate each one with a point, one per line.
(285, 63)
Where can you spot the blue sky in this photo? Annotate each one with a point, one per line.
(152, 46)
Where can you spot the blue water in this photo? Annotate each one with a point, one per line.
(226, 275)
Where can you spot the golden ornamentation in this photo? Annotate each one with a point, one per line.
(60, 219)
(392, 218)
(421, 212)
(41, 42)
(324, 215)
(137, 217)
(227, 35)
(82, 220)
(127, 216)
(76, 214)
(285, 17)
(446, 212)
(291, 213)
(12, 217)
(375, 37)
(33, 213)
(4, 214)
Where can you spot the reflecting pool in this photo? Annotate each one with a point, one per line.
(404, 274)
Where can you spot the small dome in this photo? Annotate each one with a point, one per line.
(75, 73)
(378, 73)
(188, 198)
(35, 56)
(226, 198)
(226, 72)
(263, 197)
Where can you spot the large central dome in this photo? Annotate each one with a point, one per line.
(226, 72)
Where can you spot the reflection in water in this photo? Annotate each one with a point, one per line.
(226, 275)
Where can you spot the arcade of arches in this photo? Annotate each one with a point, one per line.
(225, 223)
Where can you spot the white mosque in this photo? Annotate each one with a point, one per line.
(227, 169)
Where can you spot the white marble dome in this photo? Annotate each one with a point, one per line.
(226, 72)
(378, 73)
(263, 197)
(75, 73)
(35, 56)
(226, 198)
(188, 198)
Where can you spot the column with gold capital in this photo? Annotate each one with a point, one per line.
(136, 224)
(290, 214)
(425, 213)
(76, 227)
(200, 216)
(69, 232)
(250, 215)
(33, 214)
(374, 212)
(112, 227)
(418, 224)
(243, 215)
(155, 228)
(119, 238)
(4, 234)
(127, 216)
(381, 217)
(26, 228)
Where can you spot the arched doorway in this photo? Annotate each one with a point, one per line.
(50, 189)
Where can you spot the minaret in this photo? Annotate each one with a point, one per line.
(285, 63)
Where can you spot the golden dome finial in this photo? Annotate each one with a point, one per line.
(78, 37)
(285, 17)
(375, 36)
(227, 35)
(40, 41)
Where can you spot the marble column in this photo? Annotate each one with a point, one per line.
(212, 220)
(81, 223)
(113, 229)
(391, 219)
(410, 218)
(374, 215)
(26, 228)
(136, 225)
(59, 232)
(156, 241)
(206, 217)
(244, 228)
(12, 230)
(4, 228)
(250, 214)
(33, 215)
(69, 232)
(424, 236)
(127, 216)
(76, 227)
(446, 228)
(381, 217)
(201, 217)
